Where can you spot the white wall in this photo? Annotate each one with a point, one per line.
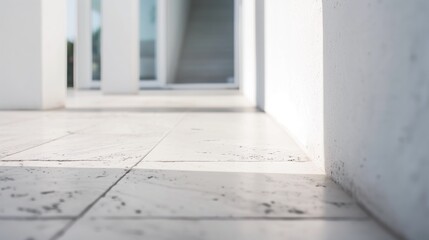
(54, 53)
(260, 52)
(294, 70)
(32, 54)
(248, 50)
(120, 47)
(177, 12)
(376, 67)
(83, 45)
(349, 81)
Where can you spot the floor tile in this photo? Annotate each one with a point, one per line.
(227, 137)
(306, 168)
(11, 144)
(214, 168)
(126, 229)
(37, 192)
(10, 117)
(115, 148)
(136, 124)
(166, 193)
(159, 101)
(100, 164)
(26, 230)
(47, 126)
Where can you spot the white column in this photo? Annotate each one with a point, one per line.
(83, 47)
(120, 47)
(260, 52)
(32, 54)
(248, 49)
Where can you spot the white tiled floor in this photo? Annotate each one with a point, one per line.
(167, 229)
(165, 165)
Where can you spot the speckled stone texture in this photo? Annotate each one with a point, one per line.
(182, 165)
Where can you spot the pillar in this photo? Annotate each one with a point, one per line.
(32, 54)
(120, 47)
(260, 52)
(83, 49)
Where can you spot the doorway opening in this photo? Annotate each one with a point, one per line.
(205, 56)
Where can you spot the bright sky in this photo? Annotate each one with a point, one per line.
(71, 19)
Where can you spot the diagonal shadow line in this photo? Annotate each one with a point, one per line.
(49, 141)
(38, 145)
(87, 208)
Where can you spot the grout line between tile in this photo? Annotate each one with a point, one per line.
(49, 141)
(87, 208)
(38, 145)
(223, 161)
(151, 161)
(213, 218)
(54, 160)
(15, 218)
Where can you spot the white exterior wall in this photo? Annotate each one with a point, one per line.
(349, 81)
(248, 72)
(120, 47)
(376, 93)
(32, 54)
(54, 53)
(260, 52)
(294, 70)
(83, 46)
